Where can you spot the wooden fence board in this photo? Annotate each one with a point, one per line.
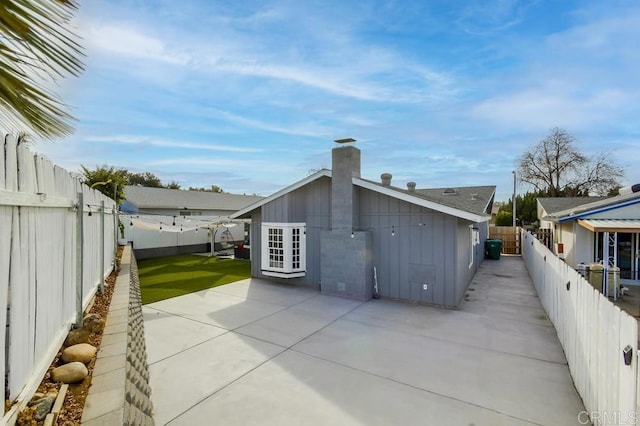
(592, 331)
(510, 238)
(37, 262)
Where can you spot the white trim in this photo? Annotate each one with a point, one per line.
(301, 183)
(421, 201)
(474, 237)
(283, 274)
(294, 259)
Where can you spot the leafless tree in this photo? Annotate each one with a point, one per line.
(557, 168)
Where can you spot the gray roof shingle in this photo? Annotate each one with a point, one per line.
(556, 204)
(472, 199)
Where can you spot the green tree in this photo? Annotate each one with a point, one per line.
(555, 166)
(214, 188)
(35, 45)
(107, 180)
(504, 218)
(144, 179)
(526, 209)
(173, 185)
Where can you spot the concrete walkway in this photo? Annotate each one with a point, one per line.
(255, 352)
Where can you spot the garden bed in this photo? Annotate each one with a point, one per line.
(71, 412)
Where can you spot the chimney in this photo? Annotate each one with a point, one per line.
(411, 186)
(345, 166)
(386, 179)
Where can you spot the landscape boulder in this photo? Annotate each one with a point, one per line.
(79, 335)
(42, 406)
(73, 372)
(92, 322)
(82, 352)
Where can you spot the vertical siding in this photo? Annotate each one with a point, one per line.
(256, 244)
(423, 249)
(464, 272)
(428, 246)
(310, 204)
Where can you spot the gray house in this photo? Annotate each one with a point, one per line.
(343, 234)
(178, 202)
(606, 230)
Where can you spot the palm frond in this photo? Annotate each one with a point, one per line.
(35, 43)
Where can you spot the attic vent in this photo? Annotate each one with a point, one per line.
(386, 179)
(474, 197)
(411, 186)
(449, 191)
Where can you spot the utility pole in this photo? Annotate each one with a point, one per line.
(515, 230)
(514, 198)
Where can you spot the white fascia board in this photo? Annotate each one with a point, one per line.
(486, 206)
(290, 188)
(472, 217)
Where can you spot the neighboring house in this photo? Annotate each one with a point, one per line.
(549, 205)
(345, 234)
(162, 222)
(607, 230)
(177, 202)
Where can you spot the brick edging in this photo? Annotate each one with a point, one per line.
(120, 392)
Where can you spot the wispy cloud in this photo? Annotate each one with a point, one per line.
(120, 39)
(539, 109)
(307, 129)
(152, 141)
(443, 93)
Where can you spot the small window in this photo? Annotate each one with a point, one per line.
(283, 250)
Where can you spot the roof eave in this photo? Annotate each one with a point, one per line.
(573, 215)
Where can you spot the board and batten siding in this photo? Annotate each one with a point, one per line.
(310, 204)
(38, 252)
(428, 247)
(466, 265)
(423, 250)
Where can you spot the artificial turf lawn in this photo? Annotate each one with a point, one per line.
(165, 277)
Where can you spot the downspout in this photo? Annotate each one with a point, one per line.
(575, 239)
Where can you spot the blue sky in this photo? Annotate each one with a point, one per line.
(249, 95)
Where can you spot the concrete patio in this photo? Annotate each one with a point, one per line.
(257, 352)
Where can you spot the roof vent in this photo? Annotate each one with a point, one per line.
(386, 179)
(411, 186)
(449, 191)
(474, 197)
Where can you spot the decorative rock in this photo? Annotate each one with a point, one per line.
(79, 335)
(73, 372)
(92, 322)
(42, 406)
(82, 352)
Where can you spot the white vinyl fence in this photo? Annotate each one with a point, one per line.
(52, 261)
(153, 231)
(593, 332)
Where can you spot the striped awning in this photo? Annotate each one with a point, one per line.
(611, 225)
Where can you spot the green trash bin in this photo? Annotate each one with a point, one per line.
(493, 249)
